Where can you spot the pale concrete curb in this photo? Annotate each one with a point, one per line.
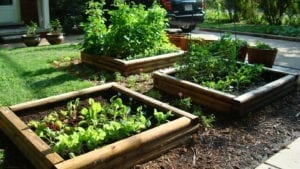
(287, 158)
(295, 39)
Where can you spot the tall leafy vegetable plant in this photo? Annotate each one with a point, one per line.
(134, 31)
(95, 28)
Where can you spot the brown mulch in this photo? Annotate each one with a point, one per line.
(231, 143)
(238, 143)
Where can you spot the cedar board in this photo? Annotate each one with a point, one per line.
(126, 68)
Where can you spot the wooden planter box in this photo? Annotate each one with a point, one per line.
(262, 56)
(120, 154)
(179, 40)
(135, 66)
(224, 102)
(182, 41)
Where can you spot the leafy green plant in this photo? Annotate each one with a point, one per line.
(131, 81)
(94, 28)
(119, 77)
(206, 121)
(214, 65)
(161, 117)
(55, 26)
(238, 80)
(184, 103)
(240, 43)
(262, 45)
(155, 94)
(133, 32)
(31, 29)
(78, 128)
(2, 157)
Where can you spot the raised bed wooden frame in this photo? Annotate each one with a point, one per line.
(224, 102)
(121, 154)
(142, 65)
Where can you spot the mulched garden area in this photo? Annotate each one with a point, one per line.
(230, 143)
(238, 143)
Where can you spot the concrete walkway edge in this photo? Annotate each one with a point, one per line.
(295, 39)
(287, 158)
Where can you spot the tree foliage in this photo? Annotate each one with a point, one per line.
(274, 10)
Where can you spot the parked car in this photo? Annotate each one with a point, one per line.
(184, 14)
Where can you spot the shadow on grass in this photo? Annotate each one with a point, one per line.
(37, 80)
(40, 72)
(45, 48)
(54, 81)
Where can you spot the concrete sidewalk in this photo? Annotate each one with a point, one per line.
(67, 39)
(287, 158)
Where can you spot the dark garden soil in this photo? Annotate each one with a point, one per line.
(232, 142)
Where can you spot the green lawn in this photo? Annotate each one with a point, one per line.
(27, 73)
(292, 31)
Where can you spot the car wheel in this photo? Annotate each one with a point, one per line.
(188, 28)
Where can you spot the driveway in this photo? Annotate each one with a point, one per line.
(288, 51)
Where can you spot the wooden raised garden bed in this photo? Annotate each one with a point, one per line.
(120, 154)
(183, 41)
(135, 66)
(225, 102)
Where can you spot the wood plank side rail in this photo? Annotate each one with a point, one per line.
(39, 153)
(147, 64)
(99, 157)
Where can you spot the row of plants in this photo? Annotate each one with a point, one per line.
(81, 128)
(132, 32)
(55, 36)
(214, 65)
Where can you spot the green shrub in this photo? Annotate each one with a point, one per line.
(274, 10)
